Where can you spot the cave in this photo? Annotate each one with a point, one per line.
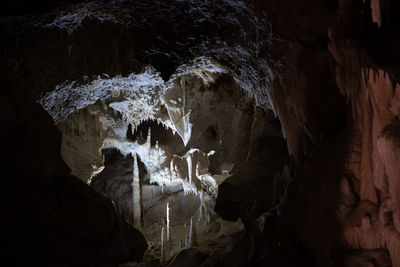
(200, 133)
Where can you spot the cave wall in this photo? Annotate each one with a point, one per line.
(367, 74)
(50, 218)
(336, 95)
(337, 100)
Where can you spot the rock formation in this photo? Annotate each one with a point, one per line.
(279, 116)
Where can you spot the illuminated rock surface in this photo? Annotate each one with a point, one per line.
(270, 127)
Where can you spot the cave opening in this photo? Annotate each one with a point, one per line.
(159, 150)
(200, 133)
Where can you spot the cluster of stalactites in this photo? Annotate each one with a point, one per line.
(166, 124)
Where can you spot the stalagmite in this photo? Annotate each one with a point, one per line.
(158, 151)
(189, 163)
(197, 171)
(132, 128)
(136, 194)
(168, 229)
(186, 240)
(148, 138)
(171, 169)
(148, 142)
(190, 237)
(147, 145)
(201, 204)
(162, 245)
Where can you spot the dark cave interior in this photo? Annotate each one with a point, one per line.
(200, 133)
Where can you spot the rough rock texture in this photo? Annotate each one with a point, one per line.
(367, 74)
(255, 187)
(51, 218)
(188, 257)
(333, 76)
(222, 120)
(337, 102)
